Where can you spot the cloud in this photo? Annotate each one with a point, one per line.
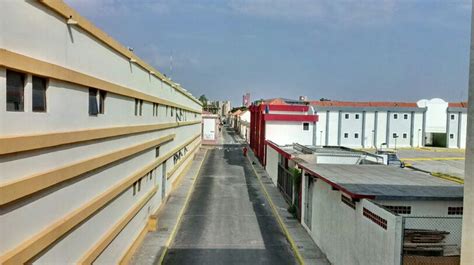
(330, 11)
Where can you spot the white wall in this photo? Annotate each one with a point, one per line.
(284, 133)
(272, 163)
(345, 235)
(435, 114)
(351, 129)
(42, 34)
(400, 124)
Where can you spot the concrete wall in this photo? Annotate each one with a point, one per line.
(284, 133)
(345, 235)
(435, 114)
(36, 31)
(272, 163)
(467, 255)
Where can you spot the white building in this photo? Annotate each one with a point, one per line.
(243, 125)
(92, 139)
(391, 124)
(359, 211)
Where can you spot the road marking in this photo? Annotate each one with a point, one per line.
(432, 158)
(293, 245)
(181, 213)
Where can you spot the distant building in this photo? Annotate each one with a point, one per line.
(371, 124)
(280, 122)
(391, 124)
(246, 100)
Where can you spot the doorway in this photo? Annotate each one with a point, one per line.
(309, 201)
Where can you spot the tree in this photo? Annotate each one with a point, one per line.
(203, 99)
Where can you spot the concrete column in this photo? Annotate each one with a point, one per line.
(467, 249)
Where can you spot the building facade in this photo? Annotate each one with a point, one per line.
(282, 124)
(92, 139)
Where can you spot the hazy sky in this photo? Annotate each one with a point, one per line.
(338, 49)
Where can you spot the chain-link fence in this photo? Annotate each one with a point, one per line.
(431, 240)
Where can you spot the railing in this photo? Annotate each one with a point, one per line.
(431, 240)
(285, 183)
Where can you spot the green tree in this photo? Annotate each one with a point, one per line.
(203, 99)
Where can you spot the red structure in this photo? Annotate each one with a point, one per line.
(262, 113)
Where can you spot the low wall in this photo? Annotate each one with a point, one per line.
(351, 233)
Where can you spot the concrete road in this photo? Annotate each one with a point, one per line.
(228, 220)
(441, 160)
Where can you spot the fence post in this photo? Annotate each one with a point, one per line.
(402, 240)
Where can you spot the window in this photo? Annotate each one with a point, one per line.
(395, 116)
(451, 136)
(305, 126)
(39, 94)
(357, 116)
(399, 209)
(139, 185)
(346, 135)
(347, 116)
(405, 116)
(93, 109)
(452, 116)
(138, 107)
(102, 95)
(395, 135)
(455, 210)
(15, 91)
(356, 135)
(375, 218)
(155, 109)
(172, 111)
(134, 188)
(404, 136)
(157, 151)
(348, 201)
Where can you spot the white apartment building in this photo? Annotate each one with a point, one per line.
(92, 139)
(390, 124)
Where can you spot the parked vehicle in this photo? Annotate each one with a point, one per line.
(391, 158)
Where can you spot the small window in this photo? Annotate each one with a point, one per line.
(395, 116)
(405, 136)
(157, 151)
(405, 116)
(356, 135)
(15, 91)
(346, 135)
(357, 116)
(155, 109)
(455, 210)
(93, 108)
(39, 94)
(452, 117)
(134, 188)
(346, 116)
(139, 185)
(102, 95)
(138, 107)
(395, 135)
(172, 109)
(451, 136)
(305, 126)
(399, 209)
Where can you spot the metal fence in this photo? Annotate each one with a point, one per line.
(431, 240)
(285, 183)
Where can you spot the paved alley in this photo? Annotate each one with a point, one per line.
(228, 220)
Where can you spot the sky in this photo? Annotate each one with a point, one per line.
(357, 50)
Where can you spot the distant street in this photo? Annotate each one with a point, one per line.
(228, 220)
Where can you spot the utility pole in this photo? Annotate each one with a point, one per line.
(467, 248)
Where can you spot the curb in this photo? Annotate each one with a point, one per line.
(181, 213)
(277, 216)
